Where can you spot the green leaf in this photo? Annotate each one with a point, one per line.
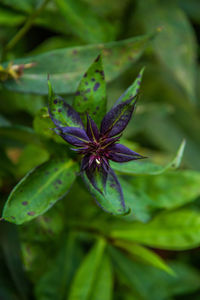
(10, 18)
(87, 273)
(10, 246)
(38, 156)
(108, 198)
(170, 190)
(61, 112)
(176, 44)
(146, 167)
(17, 135)
(143, 279)
(55, 282)
(85, 22)
(132, 90)
(145, 255)
(67, 66)
(22, 5)
(140, 204)
(39, 190)
(91, 93)
(173, 230)
(104, 281)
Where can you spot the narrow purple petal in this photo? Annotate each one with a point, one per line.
(105, 170)
(92, 129)
(74, 135)
(109, 141)
(121, 153)
(91, 175)
(117, 118)
(113, 181)
(85, 162)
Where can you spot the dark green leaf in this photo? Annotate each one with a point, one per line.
(55, 282)
(145, 280)
(176, 44)
(12, 257)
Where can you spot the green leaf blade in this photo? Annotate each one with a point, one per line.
(108, 197)
(39, 190)
(85, 277)
(91, 93)
(173, 230)
(65, 75)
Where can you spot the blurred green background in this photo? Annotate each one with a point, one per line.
(162, 36)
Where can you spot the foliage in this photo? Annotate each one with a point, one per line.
(56, 243)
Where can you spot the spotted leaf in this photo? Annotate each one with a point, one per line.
(108, 194)
(39, 190)
(61, 113)
(91, 93)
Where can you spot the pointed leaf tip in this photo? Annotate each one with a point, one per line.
(90, 96)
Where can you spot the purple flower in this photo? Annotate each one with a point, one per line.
(98, 146)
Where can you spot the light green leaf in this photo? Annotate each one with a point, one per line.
(87, 273)
(91, 93)
(39, 190)
(173, 230)
(170, 190)
(145, 255)
(10, 18)
(67, 66)
(145, 167)
(104, 281)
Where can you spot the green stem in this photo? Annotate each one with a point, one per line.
(26, 26)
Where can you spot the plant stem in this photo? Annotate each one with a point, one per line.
(26, 26)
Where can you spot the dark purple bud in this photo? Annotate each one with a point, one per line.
(92, 130)
(74, 135)
(121, 153)
(117, 118)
